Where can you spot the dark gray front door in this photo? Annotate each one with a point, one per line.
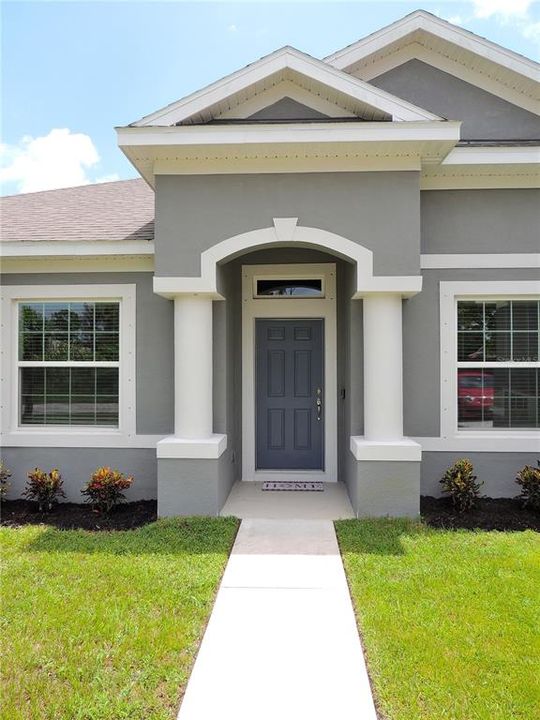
(289, 394)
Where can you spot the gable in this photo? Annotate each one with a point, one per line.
(484, 115)
(289, 66)
(288, 109)
(452, 49)
(286, 96)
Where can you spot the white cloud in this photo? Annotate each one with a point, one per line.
(232, 28)
(504, 9)
(532, 31)
(59, 159)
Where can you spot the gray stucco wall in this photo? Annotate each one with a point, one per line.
(484, 116)
(193, 487)
(288, 109)
(194, 213)
(154, 337)
(480, 221)
(77, 464)
(421, 351)
(496, 470)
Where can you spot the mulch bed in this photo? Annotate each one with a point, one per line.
(490, 514)
(71, 516)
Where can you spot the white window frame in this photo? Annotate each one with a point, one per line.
(518, 440)
(301, 275)
(12, 432)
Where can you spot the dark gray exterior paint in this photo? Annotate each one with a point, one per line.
(194, 213)
(288, 109)
(154, 338)
(289, 379)
(484, 116)
(77, 464)
(480, 221)
(496, 470)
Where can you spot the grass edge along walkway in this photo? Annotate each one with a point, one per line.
(449, 619)
(106, 625)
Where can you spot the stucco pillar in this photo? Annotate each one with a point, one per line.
(192, 366)
(193, 436)
(386, 478)
(383, 367)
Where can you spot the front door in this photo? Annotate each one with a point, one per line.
(289, 414)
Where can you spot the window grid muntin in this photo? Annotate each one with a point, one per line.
(68, 332)
(71, 364)
(510, 364)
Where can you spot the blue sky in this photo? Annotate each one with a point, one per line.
(72, 71)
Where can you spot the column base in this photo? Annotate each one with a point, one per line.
(176, 447)
(384, 478)
(400, 449)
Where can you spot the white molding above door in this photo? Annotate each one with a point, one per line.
(288, 308)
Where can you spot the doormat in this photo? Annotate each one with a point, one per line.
(288, 485)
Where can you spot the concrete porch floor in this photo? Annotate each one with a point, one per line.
(248, 500)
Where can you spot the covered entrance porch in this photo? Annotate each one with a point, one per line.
(302, 383)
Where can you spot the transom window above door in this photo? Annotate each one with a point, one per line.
(289, 288)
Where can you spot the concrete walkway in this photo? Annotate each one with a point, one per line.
(282, 641)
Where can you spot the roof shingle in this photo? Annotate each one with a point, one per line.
(114, 211)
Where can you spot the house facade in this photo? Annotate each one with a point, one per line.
(329, 270)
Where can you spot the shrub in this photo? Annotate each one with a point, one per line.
(529, 480)
(104, 489)
(460, 483)
(5, 474)
(44, 487)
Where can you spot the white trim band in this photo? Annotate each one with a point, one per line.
(209, 448)
(404, 450)
(480, 260)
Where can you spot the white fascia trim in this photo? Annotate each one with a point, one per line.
(173, 447)
(285, 88)
(261, 134)
(283, 59)
(78, 264)
(421, 20)
(482, 260)
(478, 442)
(95, 248)
(521, 155)
(403, 449)
(287, 232)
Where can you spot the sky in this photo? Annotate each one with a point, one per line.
(73, 71)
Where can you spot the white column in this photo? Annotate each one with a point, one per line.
(192, 367)
(383, 367)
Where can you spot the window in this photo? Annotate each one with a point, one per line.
(69, 363)
(498, 364)
(290, 288)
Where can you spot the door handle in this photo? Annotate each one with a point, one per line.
(319, 404)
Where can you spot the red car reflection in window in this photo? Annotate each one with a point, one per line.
(475, 393)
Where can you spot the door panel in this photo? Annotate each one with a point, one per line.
(289, 371)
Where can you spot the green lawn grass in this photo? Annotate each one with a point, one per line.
(105, 626)
(449, 619)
